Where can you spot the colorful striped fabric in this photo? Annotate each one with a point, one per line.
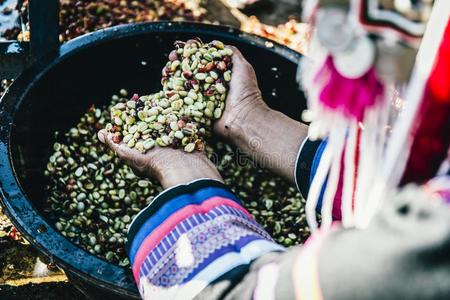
(191, 235)
(308, 159)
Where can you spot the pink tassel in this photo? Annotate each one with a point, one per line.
(349, 96)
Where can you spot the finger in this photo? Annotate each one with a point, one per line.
(241, 67)
(106, 138)
(237, 57)
(139, 162)
(121, 149)
(236, 52)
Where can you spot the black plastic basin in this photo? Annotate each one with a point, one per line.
(88, 70)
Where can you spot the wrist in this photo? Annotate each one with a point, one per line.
(270, 138)
(184, 169)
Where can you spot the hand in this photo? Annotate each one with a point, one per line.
(243, 97)
(169, 166)
(269, 137)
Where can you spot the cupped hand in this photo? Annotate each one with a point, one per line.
(243, 97)
(169, 166)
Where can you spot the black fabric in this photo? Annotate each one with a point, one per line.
(304, 163)
(403, 254)
(244, 289)
(222, 286)
(240, 282)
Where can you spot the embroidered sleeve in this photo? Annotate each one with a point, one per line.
(191, 235)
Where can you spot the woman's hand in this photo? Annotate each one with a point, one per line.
(244, 97)
(169, 166)
(269, 137)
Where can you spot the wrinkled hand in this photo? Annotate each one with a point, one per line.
(243, 97)
(169, 166)
(254, 128)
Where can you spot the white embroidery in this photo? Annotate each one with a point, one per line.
(183, 252)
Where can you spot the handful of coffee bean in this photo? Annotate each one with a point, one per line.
(195, 83)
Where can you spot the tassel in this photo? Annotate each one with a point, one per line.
(342, 104)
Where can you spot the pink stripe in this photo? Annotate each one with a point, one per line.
(152, 240)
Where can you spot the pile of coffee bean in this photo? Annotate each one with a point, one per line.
(275, 203)
(195, 84)
(93, 196)
(83, 16)
(78, 17)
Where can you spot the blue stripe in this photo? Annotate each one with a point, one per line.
(256, 228)
(170, 208)
(314, 166)
(165, 196)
